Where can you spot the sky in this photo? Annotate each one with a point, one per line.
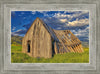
(76, 21)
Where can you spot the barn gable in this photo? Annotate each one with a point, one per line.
(40, 40)
(50, 31)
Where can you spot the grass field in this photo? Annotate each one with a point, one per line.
(18, 57)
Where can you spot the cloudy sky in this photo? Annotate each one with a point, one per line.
(76, 21)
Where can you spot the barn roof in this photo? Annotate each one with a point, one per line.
(57, 35)
(50, 30)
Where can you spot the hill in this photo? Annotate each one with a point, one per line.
(85, 44)
(17, 40)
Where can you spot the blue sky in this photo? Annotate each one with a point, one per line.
(76, 21)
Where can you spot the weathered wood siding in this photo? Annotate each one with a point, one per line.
(40, 41)
(68, 42)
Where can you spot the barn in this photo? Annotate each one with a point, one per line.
(43, 41)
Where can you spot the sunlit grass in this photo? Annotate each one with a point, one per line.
(18, 57)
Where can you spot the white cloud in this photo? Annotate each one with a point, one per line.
(44, 13)
(78, 14)
(19, 32)
(63, 20)
(81, 33)
(60, 15)
(70, 16)
(80, 22)
(14, 34)
(58, 28)
(33, 12)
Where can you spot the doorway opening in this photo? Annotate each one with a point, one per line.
(28, 46)
(53, 51)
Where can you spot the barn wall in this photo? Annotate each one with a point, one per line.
(40, 45)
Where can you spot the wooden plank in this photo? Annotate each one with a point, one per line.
(62, 42)
(55, 48)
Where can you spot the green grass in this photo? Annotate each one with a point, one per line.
(18, 57)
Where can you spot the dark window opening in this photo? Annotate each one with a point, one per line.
(28, 46)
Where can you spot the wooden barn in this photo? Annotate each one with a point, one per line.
(43, 41)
